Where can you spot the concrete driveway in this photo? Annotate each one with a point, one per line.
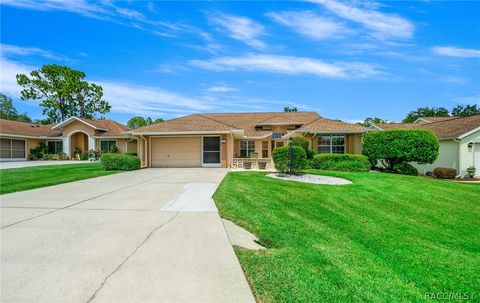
(146, 236)
(20, 164)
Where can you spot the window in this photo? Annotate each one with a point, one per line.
(107, 146)
(277, 135)
(246, 148)
(329, 144)
(55, 147)
(264, 149)
(11, 148)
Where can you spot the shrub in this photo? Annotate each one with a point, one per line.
(38, 152)
(342, 162)
(281, 159)
(405, 169)
(396, 146)
(445, 172)
(304, 143)
(111, 161)
(84, 156)
(131, 154)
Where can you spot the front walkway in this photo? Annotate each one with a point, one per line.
(151, 235)
(19, 164)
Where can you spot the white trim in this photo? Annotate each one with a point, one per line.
(108, 140)
(24, 150)
(69, 120)
(469, 133)
(29, 137)
(422, 119)
(375, 126)
(201, 151)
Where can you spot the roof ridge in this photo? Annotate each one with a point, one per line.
(235, 127)
(453, 118)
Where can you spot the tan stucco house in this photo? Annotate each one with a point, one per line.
(459, 141)
(198, 140)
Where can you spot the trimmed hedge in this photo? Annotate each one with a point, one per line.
(111, 161)
(341, 162)
(445, 172)
(405, 169)
(281, 159)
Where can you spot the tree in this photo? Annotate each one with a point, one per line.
(393, 147)
(9, 112)
(465, 111)
(281, 159)
(137, 121)
(369, 121)
(290, 109)
(426, 112)
(305, 144)
(63, 93)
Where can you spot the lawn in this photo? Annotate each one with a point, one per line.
(384, 238)
(18, 179)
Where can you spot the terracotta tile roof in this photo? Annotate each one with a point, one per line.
(8, 127)
(436, 119)
(388, 126)
(326, 125)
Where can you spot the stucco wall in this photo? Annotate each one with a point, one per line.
(448, 157)
(32, 143)
(77, 126)
(466, 154)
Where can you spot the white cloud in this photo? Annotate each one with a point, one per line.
(241, 28)
(384, 26)
(8, 76)
(311, 25)
(221, 88)
(453, 51)
(16, 50)
(289, 65)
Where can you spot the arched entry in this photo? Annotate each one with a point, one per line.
(79, 142)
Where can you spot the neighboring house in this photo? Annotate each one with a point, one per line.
(74, 134)
(230, 139)
(459, 141)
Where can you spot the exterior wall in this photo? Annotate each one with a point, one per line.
(467, 155)
(448, 157)
(79, 140)
(131, 146)
(121, 146)
(353, 143)
(76, 126)
(32, 143)
(224, 151)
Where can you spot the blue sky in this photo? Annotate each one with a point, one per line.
(345, 60)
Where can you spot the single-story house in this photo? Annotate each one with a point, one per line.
(459, 141)
(198, 140)
(74, 135)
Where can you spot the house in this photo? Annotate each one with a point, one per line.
(198, 140)
(231, 139)
(74, 135)
(459, 141)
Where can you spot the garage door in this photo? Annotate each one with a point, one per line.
(12, 149)
(176, 152)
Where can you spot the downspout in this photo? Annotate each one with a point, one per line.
(145, 165)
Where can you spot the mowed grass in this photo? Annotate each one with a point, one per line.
(18, 179)
(384, 238)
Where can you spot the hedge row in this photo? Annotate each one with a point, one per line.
(119, 162)
(342, 162)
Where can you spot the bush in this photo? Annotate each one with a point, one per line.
(119, 162)
(304, 143)
(445, 172)
(38, 152)
(405, 169)
(281, 159)
(342, 162)
(84, 156)
(131, 154)
(397, 146)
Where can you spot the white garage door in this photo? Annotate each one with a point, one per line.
(176, 152)
(12, 149)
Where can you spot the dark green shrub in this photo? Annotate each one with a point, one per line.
(131, 154)
(445, 172)
(84, 156)
(111, 161)
(304, 143)
(405, 169)
(38, 152)
(342, 162)
(396, 146)
(281, 159)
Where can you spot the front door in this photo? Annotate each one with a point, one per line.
(211, 155)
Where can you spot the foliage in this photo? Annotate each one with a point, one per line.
(111, 161)
(379, 228)
(288, 109)
(405, 169)
(39, 152)
(113, 149)
(304, 143)
(341, 162)
(466, 111)
(9, 112)
(281, 159)
(370, 121)
(137, 121)
(396, 146)
(63, 93)
(445, 172)
(19, 179)
(131, 154)
(84, 156)
(426, 112)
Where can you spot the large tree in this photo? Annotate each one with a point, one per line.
(63, 93)
(370, 121)
(466, 111)
(9, 112)
(426, 112)
(137, 121)
(290, 109)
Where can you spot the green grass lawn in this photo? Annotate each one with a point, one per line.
(384, 238)
(18, 179)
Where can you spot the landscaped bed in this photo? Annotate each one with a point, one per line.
(384, 238)
(18, 179)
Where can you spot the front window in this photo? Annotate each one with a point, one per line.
(246, 148)
(264, 149)
(277, 135)
(107, 146)
(55, 147)
(331, 144)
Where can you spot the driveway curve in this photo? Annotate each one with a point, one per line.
(152, 235)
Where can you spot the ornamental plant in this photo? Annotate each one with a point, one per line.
(281, 159)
